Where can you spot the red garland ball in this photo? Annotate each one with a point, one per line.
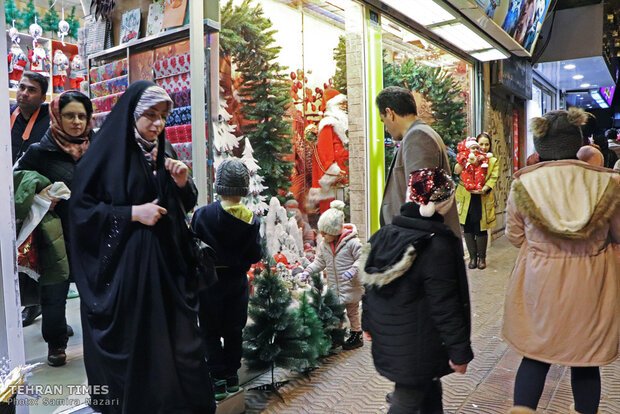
(293, 75)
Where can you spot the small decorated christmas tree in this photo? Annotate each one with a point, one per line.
(254, 201)
(225, 140)
(74, 23)
(329, 310)
(313, 332)
(29, 14)
(274, 337)
(282, 233)
(11, 12)
(50, 19)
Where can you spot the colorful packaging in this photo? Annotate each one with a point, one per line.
(109, 87)
(105, 103)
(174, 83)
(174, 65)
(108, 71)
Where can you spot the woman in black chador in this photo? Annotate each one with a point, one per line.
(142, 346)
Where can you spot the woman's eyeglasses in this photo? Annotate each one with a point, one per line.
(70, 116)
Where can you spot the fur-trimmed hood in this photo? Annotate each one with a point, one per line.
(568, 199)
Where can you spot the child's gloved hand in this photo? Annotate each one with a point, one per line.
(304, 276)
(350, 274)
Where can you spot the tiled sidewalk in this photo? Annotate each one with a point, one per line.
(348, 382)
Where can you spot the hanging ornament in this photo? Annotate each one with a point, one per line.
(35, 31)
(14, 34)
(63, 28)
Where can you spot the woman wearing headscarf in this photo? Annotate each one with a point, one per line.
(477, 208)
(142, 346)
(55, 157)
(563, 297)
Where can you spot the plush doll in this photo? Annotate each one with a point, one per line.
(475, 164)
(59, 74)
(39, 60)
(17, 63)
(78, 72)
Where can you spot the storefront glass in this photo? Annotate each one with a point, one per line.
(441, 83)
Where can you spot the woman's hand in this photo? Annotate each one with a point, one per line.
(458, 168)
(53, 200)
(147, 214)
(178, 170)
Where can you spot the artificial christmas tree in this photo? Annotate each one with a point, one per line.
(225, 140)
(282, 234)
(313, 332)
(29, 14)
(254, 201)
(247, 38)
(74, 23)
(50, 19)
(329, 310)
(340, 56)
(12, 13)
(274, 337)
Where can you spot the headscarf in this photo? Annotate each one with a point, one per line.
(152, 96)
(74, 146)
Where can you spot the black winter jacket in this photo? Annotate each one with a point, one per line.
(416, 306)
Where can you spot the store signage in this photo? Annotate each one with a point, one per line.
(521, 19)
(608, 94)
(515, 140)
(515, 75)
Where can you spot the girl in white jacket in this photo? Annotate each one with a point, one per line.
(338, 254)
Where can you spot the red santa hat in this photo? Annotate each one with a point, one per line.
(331, 97)
(470, 142)
(428, 186)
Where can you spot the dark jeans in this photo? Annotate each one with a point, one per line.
(54, 322)
(530, 382)
(223, 314)
(422, 398)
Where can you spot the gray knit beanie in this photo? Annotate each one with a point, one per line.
(557, 134)
(232, 178)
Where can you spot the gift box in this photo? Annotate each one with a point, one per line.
(105, 103)
(109, 87)
(174, 65)
(98, 119)
(108, 71)
(181, 116)
(174, 83)
(181, 98)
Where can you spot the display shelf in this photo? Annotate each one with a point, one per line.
(159, 39)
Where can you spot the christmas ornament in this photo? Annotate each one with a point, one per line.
(14, 34)
(59, 71)
(428, 186)
(36, 32)
(78, 72)
(63, 28)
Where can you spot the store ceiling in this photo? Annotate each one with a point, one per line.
(577, 74)
(67, 4)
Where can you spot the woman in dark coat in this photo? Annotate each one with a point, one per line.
(55, 157)
(416, 305)
(142, 344)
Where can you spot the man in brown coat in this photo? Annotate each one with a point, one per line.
(420, 147)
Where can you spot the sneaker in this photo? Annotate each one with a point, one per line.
(232, 383)
(56, 357)
(219, 389)
(354, 341)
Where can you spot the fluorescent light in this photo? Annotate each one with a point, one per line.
(424, 12)
(578, 77)
(570, 66)
(584, 85)
(492, 54)
(461, 36)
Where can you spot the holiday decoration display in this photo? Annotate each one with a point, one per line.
(36, 32)
(439, 88)
(14, 34)
(39, 59)
(17, 63)
(274, 338)
(50, 20)
(63, 29)
(59, 71)
(255, 201)
(475, 164)
(74, 23)
(329, 310)
(247, 39)
(225, 141)
(312, 331)
(29, 15)
(282, 234)
(12, 14)
(340, 57)
(78, 72)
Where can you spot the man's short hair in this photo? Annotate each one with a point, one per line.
(399, 100)
(43, 81)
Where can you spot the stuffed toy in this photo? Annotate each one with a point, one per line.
(78, 72)
(39, 60)
(59, 74)
(17, 63)
(475, 164)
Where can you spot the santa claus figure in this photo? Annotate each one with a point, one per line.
(39, 60)
(17, 63)
(59, 74)
(330, 170)
(78, 74)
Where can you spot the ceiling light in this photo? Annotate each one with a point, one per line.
(584, 85)
(570, 66)
(425, 12)
(491, 54)
(596, 95)
(578, 77)
(461, 36)
(581, 97)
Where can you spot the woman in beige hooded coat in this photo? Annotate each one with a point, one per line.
(563, 297)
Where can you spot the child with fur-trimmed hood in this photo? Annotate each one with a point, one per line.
(416, 305)
(338, 254)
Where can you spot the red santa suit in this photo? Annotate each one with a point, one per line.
(475, 164)
(17, 63)
(59, 71)
(77, 74)
(39, 60)
(330, 170)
